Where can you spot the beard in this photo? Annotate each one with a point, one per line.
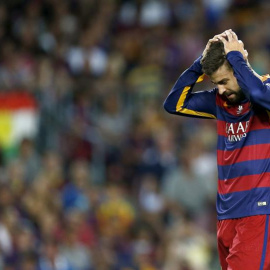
(234, 97)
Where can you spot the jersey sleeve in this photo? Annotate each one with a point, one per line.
(255, 89)
(182, 101)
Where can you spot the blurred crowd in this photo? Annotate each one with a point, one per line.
(111, 181)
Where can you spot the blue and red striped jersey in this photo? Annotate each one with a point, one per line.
(243, 145)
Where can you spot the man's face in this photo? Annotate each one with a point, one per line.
(227, 84)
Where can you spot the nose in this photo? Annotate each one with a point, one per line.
(221, 89)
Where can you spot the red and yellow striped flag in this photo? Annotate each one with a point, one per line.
(18, 118)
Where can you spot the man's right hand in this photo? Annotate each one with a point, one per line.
(232, 43)
(214, 39)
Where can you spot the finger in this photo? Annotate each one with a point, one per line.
(220, 35)
(223, 33)
(213, 40)
(216, 38)
(233, 34)
(229, 35)
(223, 40)
(241, 42)
(246, 53)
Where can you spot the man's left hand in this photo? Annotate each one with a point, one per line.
(233, 43)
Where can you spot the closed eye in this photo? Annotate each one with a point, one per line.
(222, 82)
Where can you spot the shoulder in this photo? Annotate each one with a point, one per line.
(266, 79)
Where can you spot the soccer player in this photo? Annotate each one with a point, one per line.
(240, 103)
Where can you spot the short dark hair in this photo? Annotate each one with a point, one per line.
(214, 58)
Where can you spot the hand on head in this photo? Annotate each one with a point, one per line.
(230, 41)
(210, 41)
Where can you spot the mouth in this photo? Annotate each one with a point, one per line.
(230, 96)
(234, 96)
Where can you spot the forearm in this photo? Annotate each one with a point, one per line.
(182, 101)
(186, 80)
(250, 82)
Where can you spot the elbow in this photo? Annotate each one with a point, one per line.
(168, 107)
(258, 96)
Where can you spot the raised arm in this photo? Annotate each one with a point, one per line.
(253, 85)
(182, 101)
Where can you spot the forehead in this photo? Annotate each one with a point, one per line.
(224, 72)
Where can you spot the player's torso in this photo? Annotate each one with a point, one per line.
(242, 128)
(243, 157)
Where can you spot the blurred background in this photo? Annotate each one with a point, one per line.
(94, 174)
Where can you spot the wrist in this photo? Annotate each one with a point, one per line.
(234, 54)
